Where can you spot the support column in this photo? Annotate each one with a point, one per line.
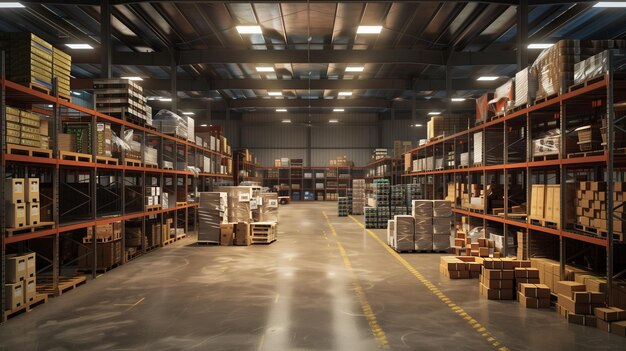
(105, 38)
(391, 125)
(414, 114)
(522, 35)
(449, 91)
(308, 145)
(173, 80)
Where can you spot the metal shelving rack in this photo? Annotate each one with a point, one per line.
(251, 168)
(290, 180)
(604, 166)
(179, 178)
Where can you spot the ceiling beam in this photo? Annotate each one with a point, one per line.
(302, 84)
(218, 56)
(122, 2)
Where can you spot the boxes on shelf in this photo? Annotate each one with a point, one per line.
(168, 122)
(29, 60)
(547, 145)
(503, 97)
(446, 125)
(525, 88)
(61, 70)
(400, 147)
(121, 98)
(597, 65)
(483, 109)
(26, 128)
(591, 209)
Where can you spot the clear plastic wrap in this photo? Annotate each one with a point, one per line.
(151, 155)
(422, 208)
(548, 144)
(442, 225)
(441, 242)
(442, 208)
(194, 170)
(404, 233)
(598, 65)
(168, 122)
(391, 224)
(211, 213)
(268, 209)
(476, 233)
(119, 144)
(525, 88)
(238, 203)
(478, 147)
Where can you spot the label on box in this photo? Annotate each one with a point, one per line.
(259, 201)
(253, 205)
(21, 265)
(34, 210)
(244, 197)
(100, 127)
(272, 203)
(18, 188)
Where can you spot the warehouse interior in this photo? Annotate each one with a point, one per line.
(313, 175)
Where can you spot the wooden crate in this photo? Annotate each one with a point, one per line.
(263, 232)
(537, 202)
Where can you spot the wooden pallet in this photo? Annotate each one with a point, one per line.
(39, 299)
(107, 160)
(100, 270)
(545, 157)
(39, 88)
(132, 163)
(462, 166)
(586, 154)
(600, 233)
(45, 285)
(168, 168)
(173, 240)
(151, 208)
(30, 228)
(74, 156)
(181, 203)
(30, 151)
(65, 97)
(544, 223)
(544, 99)
(478, 164)
(585, 83)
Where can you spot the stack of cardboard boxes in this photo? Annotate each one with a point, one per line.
(576, 304)
(497, 279)
(546, 207)
(108, 247)
(460, 267)
(591, 206)
(22, 202)
(26, 128)
(29, 60)
(238, 234)
(400, 147)
(21, 282)
(446, 125)
(533, 295)
(611, 320)
(121, 98)
(61, 69)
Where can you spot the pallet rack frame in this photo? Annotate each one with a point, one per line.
(14, 92)
(607, 159)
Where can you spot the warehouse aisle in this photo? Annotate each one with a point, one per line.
(327, 284)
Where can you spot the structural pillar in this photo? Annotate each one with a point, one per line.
(105, 38)
(522, 35)
(173, 80)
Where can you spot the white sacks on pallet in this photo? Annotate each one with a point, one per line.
(422, 212)
(442, 208)
(391, 225)
(211, 214)
(404, 233)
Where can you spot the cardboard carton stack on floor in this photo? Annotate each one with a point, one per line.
(576, 304)
(212, 210)
(442, 225)
(21, 281)
(497, 279)
(611, 320)
(534, 295)
(358, 196)
(527, 275)
(460, 267)
(404, 233)
(422, 211)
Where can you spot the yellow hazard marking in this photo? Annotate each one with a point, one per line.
(129, 305)
(482, 331)
(378, 332)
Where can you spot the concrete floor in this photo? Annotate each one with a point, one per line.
(311, 290)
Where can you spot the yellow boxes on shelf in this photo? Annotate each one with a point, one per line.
(14, 295)
(16, 215)
(14, 190)
(33, 213)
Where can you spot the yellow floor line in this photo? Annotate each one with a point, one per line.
(378, 332)
(482, 331)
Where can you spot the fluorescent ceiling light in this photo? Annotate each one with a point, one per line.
(434, 113)
(285, 121)
(281, 110)
(249, 29)
(487, 78)
(132, 78)
(265, 69)
(338, 110)
(369, 29)
(79, 46)
(418, 125)
(275, 93)
(203, 125)
(76, 93)
(539, 46)
(165, 99)
(333, 121)
(610, 4)
(11, 5)
(50, 106)
(345, 93)
(457, 99)
(355, 68)
(188, 113)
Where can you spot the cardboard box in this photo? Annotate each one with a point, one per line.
(609, 314)
(567, 288)
(14, 190)
(498, 284)
(16, 215)
(16, 268)
(535, 290)
(31, 193)
(533, 302)
(496, 294)
(31, 264)
(33, 215)
(242, 234)
(588, 297)
(493, 274)
(576, 308)
(227, 234)
(14, 295)
(603, 325)
(619, 328)
(30, 289)
(582, 319)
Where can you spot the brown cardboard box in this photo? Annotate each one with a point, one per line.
(31, 191)
(610, 314)
(14, 190)
(458, 274)
(619, 328)
(32, 213)
(520, 281)
(496, 294)
(535, 290)
(588, 297)
(227, 234)
(498, 284)
(533, 302)
(31, 264)
(483, 252)
(16, 215)
(582, 319)
(14, 295)
(16, 268)
(526, 272)
(493, 274)
(567, 288)
(30, 289)
(242, 234)
(603, 325)
(576, 308)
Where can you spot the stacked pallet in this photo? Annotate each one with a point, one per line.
(342, 206)
(611, 320)
(61, 70)
(404, 233)
(22, 202)
(446, 125)
(497, 279)
(264, 232)
(422, 211)
(29, 60)
(591, 209)
(121, 98)
(26, 128)
(546, 207)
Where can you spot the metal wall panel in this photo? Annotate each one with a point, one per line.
(315, 118)
(266, 157)
(339, 136)
(273, 136)
(401, 131)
